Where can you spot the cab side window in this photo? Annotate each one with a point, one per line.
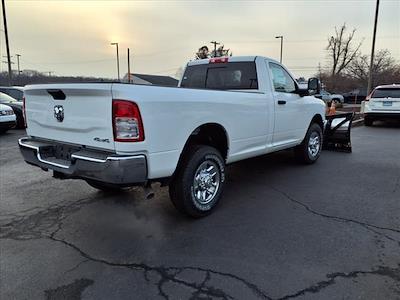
(281, 79)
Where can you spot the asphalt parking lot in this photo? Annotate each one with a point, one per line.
(282, 231)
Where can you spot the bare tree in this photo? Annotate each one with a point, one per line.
(341, 49)
(384, 70)
(221, 52)
(203, 52)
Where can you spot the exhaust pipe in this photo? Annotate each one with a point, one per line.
(148, 191)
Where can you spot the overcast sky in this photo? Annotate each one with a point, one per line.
(73, 37)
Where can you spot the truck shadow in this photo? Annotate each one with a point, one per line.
(387, 124)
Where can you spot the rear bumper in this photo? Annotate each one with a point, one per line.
(382, 115)
(86, 164)
(7, 125)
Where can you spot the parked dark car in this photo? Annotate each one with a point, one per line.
(14, 91)
(355, 96)
(17, 107)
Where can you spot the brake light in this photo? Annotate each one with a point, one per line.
(24, 112)
(127, 122)
(218, 60)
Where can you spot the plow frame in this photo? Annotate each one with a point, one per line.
(338, 138)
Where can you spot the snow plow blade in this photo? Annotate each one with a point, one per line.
(337, 132)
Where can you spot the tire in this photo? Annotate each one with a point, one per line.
(105, 187)
(20, 121)
(368, 121)
(193, 197)
(309, 150)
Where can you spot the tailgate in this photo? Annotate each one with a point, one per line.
(385, 104)
(72, 113)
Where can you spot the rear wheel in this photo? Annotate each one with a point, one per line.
(198, 183)
(368, 121)
(20, 121)
(309, 150)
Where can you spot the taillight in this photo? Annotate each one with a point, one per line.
(24, 112)
(218, 60)
(127, 123)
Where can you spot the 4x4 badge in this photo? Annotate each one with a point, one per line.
(59, 113)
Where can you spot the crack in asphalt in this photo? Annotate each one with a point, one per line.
(371, 227)
(35, 225)
(167, 276)
(203, 290)
(48, 223)
(393, 273)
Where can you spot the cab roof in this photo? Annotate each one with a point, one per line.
(389, 86)
(229, 58)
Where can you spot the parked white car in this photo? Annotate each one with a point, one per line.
(224, 110)
(382, 104)
(7, 118)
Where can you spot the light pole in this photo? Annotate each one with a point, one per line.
(373, 49)
(129, 67)
(116, 44)
(215, 47)
(280, 37)
(18, 56)
(7, 44)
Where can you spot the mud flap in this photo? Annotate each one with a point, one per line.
(337, 132)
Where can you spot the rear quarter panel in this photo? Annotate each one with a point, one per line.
(170, 115)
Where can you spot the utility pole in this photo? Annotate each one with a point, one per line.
(116, 44)
(18, 56)
(7, 44)
(319, 70)
(129, 68)
(215, 46)
(373, 49)
(280, 37)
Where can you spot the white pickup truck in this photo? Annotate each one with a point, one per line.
(116, 135)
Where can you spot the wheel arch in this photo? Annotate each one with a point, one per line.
(317, 118)
(211, 134)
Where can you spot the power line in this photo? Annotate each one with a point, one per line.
(303, 41)
(69, 62)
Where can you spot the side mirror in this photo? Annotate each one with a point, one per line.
(314, 86)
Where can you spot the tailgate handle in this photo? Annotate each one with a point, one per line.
(57, 94)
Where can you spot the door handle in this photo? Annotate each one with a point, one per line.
(281, 102)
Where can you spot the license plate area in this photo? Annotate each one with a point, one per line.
(59, 152)
(387, 103)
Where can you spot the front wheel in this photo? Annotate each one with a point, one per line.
(309, 150)
(198, 183)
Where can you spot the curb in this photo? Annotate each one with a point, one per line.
(357, 123)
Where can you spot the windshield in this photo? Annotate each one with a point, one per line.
(221, 76)
(13, 92)
(4, 98)
(385, 93)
